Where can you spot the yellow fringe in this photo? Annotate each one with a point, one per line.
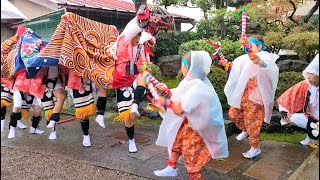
(24, 114)
(220, 159)
(151, 107)
(312, 145)
(48, 113)
(5, 103)
(124, 116)
(85, 111)
(226, 68)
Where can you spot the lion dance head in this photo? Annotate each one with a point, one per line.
(153, 18)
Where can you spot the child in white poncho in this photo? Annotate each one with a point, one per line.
(250, 92)
(194, 127)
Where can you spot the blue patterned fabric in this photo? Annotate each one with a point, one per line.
(28, 53)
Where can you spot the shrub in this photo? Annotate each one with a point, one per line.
(272, 39)
(218, 78)
(168, 43)
(155, 71)
(230, 49)
(179, 76)
(287, 80)
(306, 43)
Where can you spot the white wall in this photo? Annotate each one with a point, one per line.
(30, 9)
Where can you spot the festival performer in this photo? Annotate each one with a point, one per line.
(250, 91)
(194, 127)
(299, 105)
(26, 92)
(130, 86)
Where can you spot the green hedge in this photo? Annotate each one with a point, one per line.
(168, 43)
(218, 78)
(287, 80)
(155, 71)
(230, 49)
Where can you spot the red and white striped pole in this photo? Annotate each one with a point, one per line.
(244, 17)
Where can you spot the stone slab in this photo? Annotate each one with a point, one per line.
(276, 163)
(234, 159)
(147, 152)
(122, 136)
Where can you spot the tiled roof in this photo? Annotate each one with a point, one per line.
(119, 5)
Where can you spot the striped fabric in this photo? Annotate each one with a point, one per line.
(82, 45)
(8, 54)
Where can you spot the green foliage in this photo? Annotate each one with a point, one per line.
(172, 83)
(273, 40)
(230, 49)
(286, 81)
(169, 43)
(315, 23)
(294, 138)
(179, 76)
(220, 22)
(206, 28)
(204, 5)
(155, 71)
(305, 43)
(218, 78)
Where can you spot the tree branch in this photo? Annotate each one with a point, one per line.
(311, 12)
(294, 11)
(281, 22)
(193, 26)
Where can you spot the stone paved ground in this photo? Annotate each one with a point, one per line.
(35, 157)
(22, 164)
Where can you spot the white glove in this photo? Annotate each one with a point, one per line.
(145, 36)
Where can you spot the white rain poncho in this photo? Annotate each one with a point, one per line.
(313, 68)
(242, 70)
(201, 107)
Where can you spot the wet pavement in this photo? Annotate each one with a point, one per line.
(36, 157)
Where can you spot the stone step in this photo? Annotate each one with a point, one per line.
(309, 169)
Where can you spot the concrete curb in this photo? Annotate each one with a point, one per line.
(300, 170)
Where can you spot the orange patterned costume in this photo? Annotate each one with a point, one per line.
(250, 116)
(191, 146)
